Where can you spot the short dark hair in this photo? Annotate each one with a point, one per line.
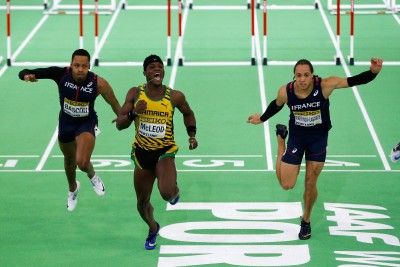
(80, 52)
(303, 62)
(150, 59)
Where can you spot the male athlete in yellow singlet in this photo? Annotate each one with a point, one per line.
(151, 106)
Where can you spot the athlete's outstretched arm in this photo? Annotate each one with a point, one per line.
(331, 83)
(104, 88)
(33, 75)
(274, 107)
(127, 113)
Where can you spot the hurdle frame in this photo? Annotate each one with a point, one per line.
(387, 7)
(350, 57)
(27, 7)
(11, 61)
(124, 5)
(336, 60)
(67, 9)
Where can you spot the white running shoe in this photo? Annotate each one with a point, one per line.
(98, 185)
(395, 153)
(73, 198)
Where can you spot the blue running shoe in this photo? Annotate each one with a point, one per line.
(175, 200)
(151, 240)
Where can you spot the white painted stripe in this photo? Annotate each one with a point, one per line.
(19, 156)
(202, 170)
(39, 64)
(106, 33)
(356, 94)
(227, 63)
(178, 156)
(47, 151)
(292, 63)
(121, 64)
(368, 63)
(261, 82)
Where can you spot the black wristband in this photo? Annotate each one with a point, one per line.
(272, 109)
(362, 78)
(132, 115)
(191, 129)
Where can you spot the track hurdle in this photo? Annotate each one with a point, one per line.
(351, 56)
(387, 7)
(27, 7)
(8, 15)
(124, 5)
(12, 62)
(190, 5)
(64, 9)
(336, 60)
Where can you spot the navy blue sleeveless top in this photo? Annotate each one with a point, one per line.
(311, 114)
(77, 100)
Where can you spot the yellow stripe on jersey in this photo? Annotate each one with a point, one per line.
(154, 127)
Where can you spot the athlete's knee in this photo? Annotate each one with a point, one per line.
(83, 164)
(168, 195)
(287, 186)
(310, 184)
(69, 161)
(143, 203)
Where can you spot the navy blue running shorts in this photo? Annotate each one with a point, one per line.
(313, 146)
(67, 131)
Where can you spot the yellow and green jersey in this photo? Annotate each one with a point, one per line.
(154, 127)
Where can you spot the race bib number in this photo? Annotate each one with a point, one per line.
(76, 109)
(307, 118)
(152, 130)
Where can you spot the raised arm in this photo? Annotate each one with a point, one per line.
(331, 83)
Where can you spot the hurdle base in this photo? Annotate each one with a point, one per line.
(316, 6)
(180, 63)
(8, 62)
(169, 62)
(265, 61)
(248, 6)
(191, 6)
(253, 61)
(338, 61)
(352, 61)
(96, 62)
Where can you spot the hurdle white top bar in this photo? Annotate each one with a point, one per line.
(121, 64)
(221, 63)
(22, 8)
(150, 7)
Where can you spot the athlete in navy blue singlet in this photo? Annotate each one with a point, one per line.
(78, 89)
(308, 100)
